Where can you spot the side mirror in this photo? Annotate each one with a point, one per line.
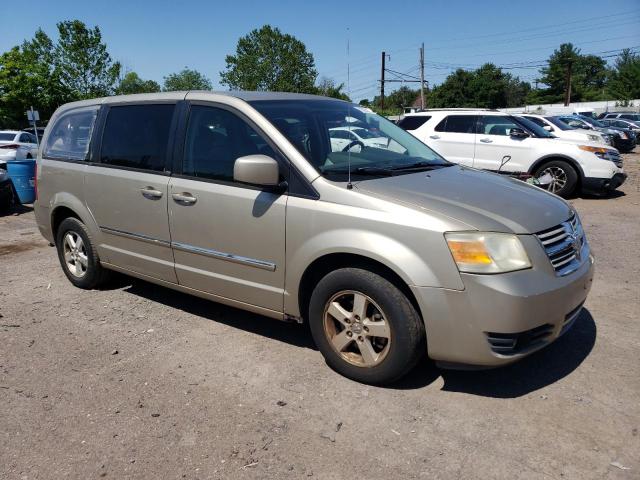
(518, 133)
(548, 128)
(256, 170)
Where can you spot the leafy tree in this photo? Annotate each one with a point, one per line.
(267, 59)
(132, 83)
(329, 88)
(398, 99)
(365, 102)
(82, 62)
(624, 82)
(28, 78)
(186, 79)
(455, 91)
(588, 76)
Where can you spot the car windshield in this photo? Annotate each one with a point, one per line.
(593, 122)
(307, 124)
(536, 129)
(559, 123)
(7, 137)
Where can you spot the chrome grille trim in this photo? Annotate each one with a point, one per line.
(563, 245)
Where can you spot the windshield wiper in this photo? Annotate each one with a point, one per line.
(360, 171)
(422, 166)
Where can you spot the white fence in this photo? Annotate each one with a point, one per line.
(560, 109)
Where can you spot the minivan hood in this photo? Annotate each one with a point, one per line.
(482, 200)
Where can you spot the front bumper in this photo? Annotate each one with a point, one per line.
(526, 310)
(599, 185)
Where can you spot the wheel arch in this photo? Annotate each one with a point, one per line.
(65, 206)
(550, 158)
(327, 263)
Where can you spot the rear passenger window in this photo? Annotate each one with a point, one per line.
(457, 124)
(71, 134)
(136, 136)
(413, 122)
(215, 139)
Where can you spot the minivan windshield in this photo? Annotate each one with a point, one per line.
(591, 121)
(559, 123)
(379, 147)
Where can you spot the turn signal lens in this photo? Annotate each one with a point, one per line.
(469, 252)
(588, 148)
(487, 252)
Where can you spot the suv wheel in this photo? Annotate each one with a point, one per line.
(365, 327)
(564, 177)
(77, 255)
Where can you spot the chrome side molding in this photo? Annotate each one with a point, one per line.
(230, 257)
(252, 262)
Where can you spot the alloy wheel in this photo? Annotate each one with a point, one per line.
(559, 178)
(357, 328)
(75, 254)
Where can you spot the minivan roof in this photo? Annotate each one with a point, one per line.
(181, 95)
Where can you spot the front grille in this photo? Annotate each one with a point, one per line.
(563, 245)
(513, 343)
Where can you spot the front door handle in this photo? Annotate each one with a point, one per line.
(435, 137)
(151, 193)
(486, 140)
(184, 198)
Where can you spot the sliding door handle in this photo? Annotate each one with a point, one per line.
(486, 140)
(184, 198)
(151, 193)
(435, 137)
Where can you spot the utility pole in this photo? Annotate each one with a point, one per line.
(422, 105)
(384, 56)
(567, 89)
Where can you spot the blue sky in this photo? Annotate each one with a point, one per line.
(158, 37)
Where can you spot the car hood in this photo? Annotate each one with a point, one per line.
(484, 201)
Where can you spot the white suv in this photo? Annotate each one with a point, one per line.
(564, 131)
(482, 138)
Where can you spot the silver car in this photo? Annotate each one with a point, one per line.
(388, 251)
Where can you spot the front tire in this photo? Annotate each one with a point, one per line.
(77, 255)
(565, 178)
(365, 327)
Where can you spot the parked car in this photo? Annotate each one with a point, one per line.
(623, 139)
(6, 191)
(482, 138)
(238, 197)
(624, 115)
(17, 145)
(564, 131)
(40, 131)
(624, 124)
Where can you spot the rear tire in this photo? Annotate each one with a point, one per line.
(77, 255)
(565, 177)
(365, 327)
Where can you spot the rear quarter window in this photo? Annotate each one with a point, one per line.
(71, 135)
(413, 122)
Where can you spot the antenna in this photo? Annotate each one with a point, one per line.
(349, 184)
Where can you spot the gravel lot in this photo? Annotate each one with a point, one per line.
(138, 381)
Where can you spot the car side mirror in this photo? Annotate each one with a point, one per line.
(518, 133)
(548, 128)
(256, 170)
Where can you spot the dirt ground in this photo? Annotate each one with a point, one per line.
(137, 381)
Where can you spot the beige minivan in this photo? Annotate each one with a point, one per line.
(256, 200)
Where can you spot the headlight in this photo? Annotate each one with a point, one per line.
(623, 135)
(478, 252)
(600, 152)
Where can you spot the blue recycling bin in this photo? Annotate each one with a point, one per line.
(22, 174)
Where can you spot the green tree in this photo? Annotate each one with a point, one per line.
(329, 88)
(28, 78)
(132, 83)
(82, 62)
(588, 76)
(624, 82)
(395, 101)
(187, 79)
(267, 59)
